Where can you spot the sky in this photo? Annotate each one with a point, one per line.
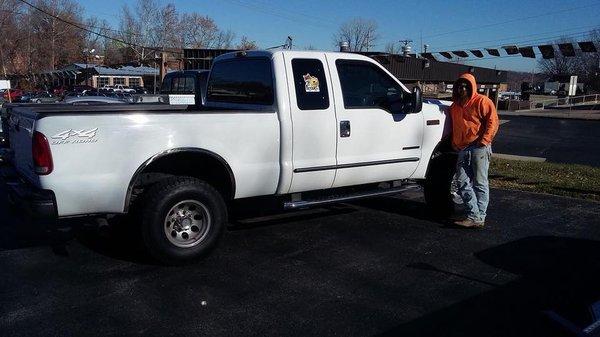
(443, 25)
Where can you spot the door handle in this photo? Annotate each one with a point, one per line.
(344, 129)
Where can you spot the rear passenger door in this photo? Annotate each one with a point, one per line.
(313, 121)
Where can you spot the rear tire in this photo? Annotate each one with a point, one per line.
(183, 219)
(437, 186)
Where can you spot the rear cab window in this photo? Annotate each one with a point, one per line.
(179, 84)
(241, 81)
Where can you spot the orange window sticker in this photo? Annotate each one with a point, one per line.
(311, 83)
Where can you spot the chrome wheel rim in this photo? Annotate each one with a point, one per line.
(187, 223)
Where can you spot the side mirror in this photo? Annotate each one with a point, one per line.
(416, 100)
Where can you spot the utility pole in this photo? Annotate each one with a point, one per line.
(155, 66)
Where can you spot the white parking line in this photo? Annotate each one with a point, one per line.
(503, 121)
(515, 157)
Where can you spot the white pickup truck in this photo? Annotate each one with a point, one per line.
(307, 127)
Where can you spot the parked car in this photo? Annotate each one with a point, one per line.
(304, 128)
(15, 95)
(106, 88)
(71, 94)
(91, 100)
(94, 92)
(82, 88)
(60, 90)
(26, 96)
(191, 82)
(139, 90)
(123, 88)
(44, 97)
(122, 96)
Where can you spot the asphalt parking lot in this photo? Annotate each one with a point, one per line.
(379, 267)
(556, 140)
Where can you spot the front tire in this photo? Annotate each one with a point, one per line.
(183, 219)
(437, 187)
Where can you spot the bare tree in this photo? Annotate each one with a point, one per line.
(393, 48)
(246, 44)
(584, 65)
(61, 41)
(11, 37)
(588, 66)
(138, 27)
(150, 26)
(167, 29)
(361, 34)
(224, 40)
(202, 32)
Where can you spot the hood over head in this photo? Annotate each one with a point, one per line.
(473, 85)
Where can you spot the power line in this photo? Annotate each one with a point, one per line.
(89, 30)
(82, 24)
(509, 21)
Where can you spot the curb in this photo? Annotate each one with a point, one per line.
(520, 158)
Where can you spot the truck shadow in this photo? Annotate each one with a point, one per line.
(406, 207)
(556, 274)
(122, 239)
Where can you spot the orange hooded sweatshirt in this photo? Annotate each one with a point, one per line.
(476, 120)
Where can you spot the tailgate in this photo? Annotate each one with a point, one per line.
(21, 123)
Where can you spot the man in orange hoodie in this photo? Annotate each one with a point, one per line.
(474, 125)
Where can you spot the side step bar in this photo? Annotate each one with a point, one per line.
(341, 198)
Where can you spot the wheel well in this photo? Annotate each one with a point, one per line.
(197, 163)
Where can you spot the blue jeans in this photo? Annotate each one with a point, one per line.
(472, 180)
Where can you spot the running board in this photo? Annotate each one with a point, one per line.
(354, 196)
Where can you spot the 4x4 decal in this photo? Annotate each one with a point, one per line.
(75, 136)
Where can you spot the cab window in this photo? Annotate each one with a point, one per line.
(310, 84)
(364, 85)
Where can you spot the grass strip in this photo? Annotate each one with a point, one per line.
(571, 180)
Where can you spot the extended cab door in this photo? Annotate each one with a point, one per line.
(313, 121)
(376, 139)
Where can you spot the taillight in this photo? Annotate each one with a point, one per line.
(42, 157)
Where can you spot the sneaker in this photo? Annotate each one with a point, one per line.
(469, 223)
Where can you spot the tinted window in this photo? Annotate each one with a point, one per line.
(166, 84)
(183, 85)
(178, 84)
(311, 86)
(247, 81)
(364, 85)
